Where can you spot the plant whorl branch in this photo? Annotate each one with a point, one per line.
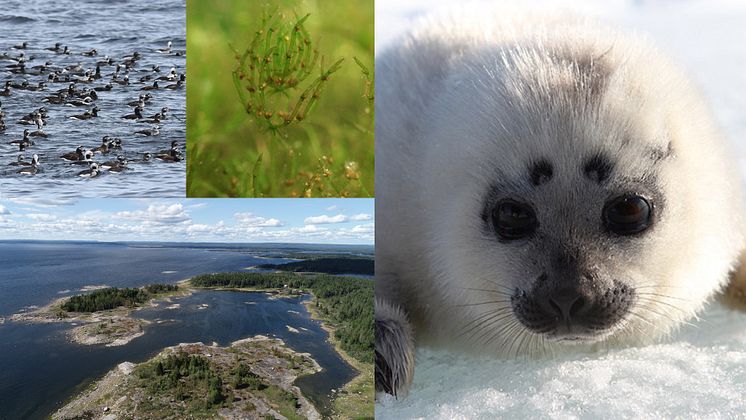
(271, 72)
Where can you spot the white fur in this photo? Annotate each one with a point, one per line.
(468, 100)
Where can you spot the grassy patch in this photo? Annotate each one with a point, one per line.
(283, 401)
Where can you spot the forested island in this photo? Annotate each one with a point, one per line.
(104, 313)
(333, 265)
(112, 297)
(252, 378)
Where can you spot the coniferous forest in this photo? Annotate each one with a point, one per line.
(112, 297)
(328, 266)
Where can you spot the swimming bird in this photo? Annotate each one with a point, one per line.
(91, 53)
(175, 86)
(146, 157)
(39, 124)
(125, 81)
(24, 141)
(20, 162)
(174, 145)
(104, 148)
(172, 156)
(86, 115)
(141, 101)
(77, 155)
(56, 99)
(115, 143)
(21, 46)
(33, 88)
(30, 119)
(105, 62)
(171, 76)
(136, 116)
(34, 161)
(6, 91)
(87, 159)
(163, 114)
(31, 168)
(115, 165)
(152, 132)
(69, 91)
(21, 85)
(130, 61)
(91, 172)
(166, 50)
(80, 102)
(154, 87)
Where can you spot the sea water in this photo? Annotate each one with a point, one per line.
(41, 368)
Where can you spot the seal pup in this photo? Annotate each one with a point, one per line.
(542, 182)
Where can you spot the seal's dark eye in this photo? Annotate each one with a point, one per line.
(513, 220)
(627, 214)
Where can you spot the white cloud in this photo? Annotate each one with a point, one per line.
(324, 219)
(158, 214)
(369, 228)
(252, 220)
(198, 228)
(172, 222)
(41, 217)
(309, 229)
(340, 218)
(331, 208)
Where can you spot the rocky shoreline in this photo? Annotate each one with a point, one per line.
(122, 393)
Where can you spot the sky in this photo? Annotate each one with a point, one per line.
(322, 221)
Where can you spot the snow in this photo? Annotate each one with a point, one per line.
(700, 372)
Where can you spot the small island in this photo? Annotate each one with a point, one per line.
(105, 312)
(252, 378)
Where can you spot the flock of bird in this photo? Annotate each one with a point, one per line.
(84, 84)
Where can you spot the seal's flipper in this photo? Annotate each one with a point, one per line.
(735, 294)
(394, 350)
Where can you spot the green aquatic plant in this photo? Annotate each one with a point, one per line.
(274, 76)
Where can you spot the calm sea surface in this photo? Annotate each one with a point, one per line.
(40, 369)
(115, 29)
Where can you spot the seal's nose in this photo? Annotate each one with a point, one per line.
(566, 304)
